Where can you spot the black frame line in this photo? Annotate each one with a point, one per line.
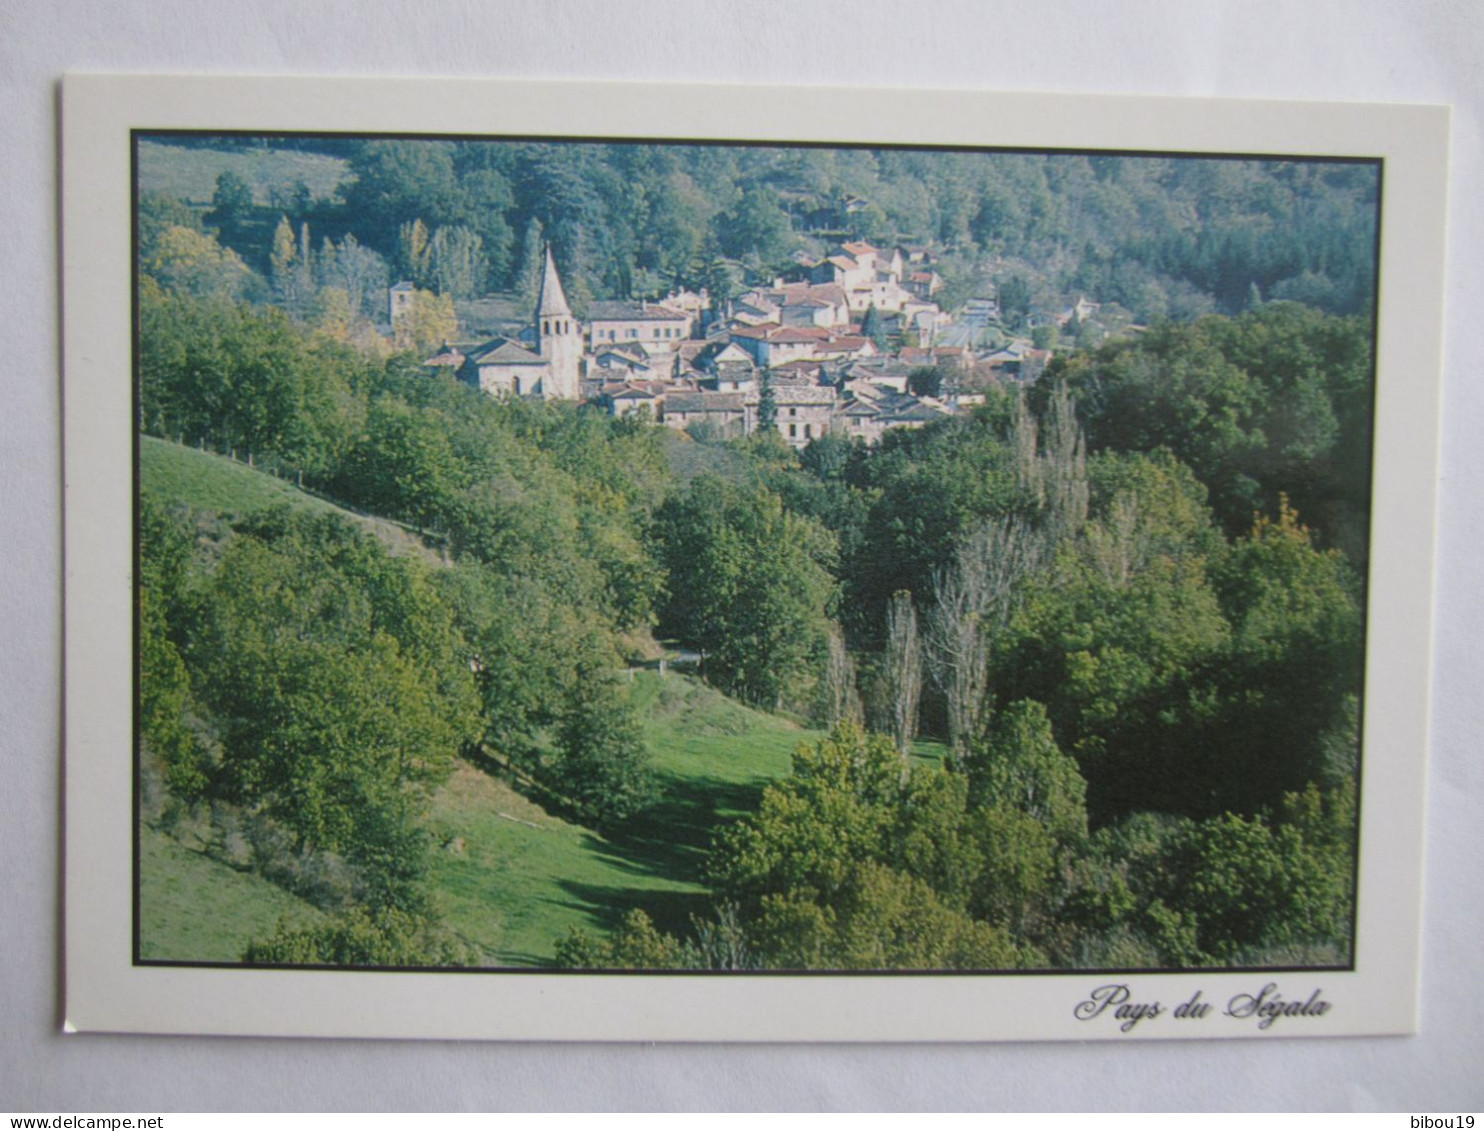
(138, 134)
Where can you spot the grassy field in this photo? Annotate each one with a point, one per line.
(190, 174)
(209, 482)
(192, 908)
(514, 880)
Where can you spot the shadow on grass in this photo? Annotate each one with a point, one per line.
(669, 840)
(670, 911)
(672, 837)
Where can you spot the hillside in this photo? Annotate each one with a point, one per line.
(206, 481)
(509, 877)
(190, 174)
(177, 883)
(513, 879)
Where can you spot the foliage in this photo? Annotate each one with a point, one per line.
(923, 491)
(428, 323)
(1019, 765)
(749, 583)
(1272, 402)
(187, 261)
(925, 381)
(836, 869)
(1280, 886)
(635, 945)
(378, 938)
(603, 762)
(339, 689)
(242, 379)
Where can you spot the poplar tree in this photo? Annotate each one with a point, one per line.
(903, 669)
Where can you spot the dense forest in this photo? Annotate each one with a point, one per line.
(1163, 237)
(1084, 662)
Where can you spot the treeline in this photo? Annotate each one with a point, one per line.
(1164, 237)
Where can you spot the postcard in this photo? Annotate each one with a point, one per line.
(640, 562)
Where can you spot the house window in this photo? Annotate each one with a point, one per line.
(793, 431)
(808, 431)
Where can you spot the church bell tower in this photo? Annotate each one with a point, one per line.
(558, 336)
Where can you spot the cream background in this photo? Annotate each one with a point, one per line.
(1345, 51)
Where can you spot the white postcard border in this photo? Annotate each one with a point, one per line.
(105, 992)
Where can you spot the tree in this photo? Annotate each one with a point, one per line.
(1064, 468)
(397, 182)
(359, 270)
(415, 253)
(405, 466)
(377, 938)
(532, 260)
(286, 266)
(1019, 764)
(459, 262)
(925, 381)
(635, 945)
(973, 600)
(231, 205)
(429, 322)
(749, 585)
(874, 327)
(189, 262)
(1015, 300)
(842, 701)
(830, 872)
(604, 763)
(767, 405)
(757, 229)
(340, 693)
(903, 670)
(1295, 653)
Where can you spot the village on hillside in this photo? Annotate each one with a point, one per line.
(852, 344)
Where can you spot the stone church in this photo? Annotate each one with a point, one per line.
(545, 361)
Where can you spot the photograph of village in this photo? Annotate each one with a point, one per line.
(710, 557)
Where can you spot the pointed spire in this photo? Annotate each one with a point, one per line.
(552, 301)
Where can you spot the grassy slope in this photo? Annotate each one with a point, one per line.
(210, 482)
(192, 908)
(175, 882)
(190, 174)
(514, 880)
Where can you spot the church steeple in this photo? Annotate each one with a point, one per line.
(558, 335)
(552, 301)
